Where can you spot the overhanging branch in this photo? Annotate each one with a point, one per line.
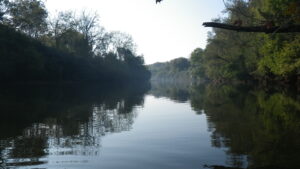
(263, 29)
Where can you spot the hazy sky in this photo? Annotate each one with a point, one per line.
(162, 32)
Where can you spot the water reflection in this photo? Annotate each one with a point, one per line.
(257, 129)
(178, 92)
(62, 120)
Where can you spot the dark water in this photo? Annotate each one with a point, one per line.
(133, 127)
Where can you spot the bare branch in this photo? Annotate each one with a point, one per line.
(263, 29)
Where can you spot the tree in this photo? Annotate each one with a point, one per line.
(29, 16)
(285, 20)
(122, 40)
(3, 9)
(276, 16)
(129, 57)
(197, 63)
(87, 24)
(73, 42)
(62, 22)
(70, 47)
(174, 71)
(103, 43)
(180, 64)
(252, 56)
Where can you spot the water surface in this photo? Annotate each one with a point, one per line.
(132, 127)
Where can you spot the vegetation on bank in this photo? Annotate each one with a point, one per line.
(240, 56)
(176, 70)
(67, 47)
(232, 56)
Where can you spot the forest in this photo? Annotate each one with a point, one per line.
(70, 46)
(176, 70)
(235, 52)
(251, 44)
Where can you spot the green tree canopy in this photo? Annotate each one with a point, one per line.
(29, 16)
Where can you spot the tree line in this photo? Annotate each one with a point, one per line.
(176, 70)
(247, 56)
(69, 46)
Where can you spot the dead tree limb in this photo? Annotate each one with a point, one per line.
(263, 29)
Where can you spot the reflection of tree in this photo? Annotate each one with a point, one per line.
(87, 141)
(28, 147)
(264, 127)
(112, 120)
(72, 120)
(176, 91)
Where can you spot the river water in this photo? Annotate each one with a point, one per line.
(143, 127)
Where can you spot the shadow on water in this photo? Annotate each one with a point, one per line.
(70, 118)
(257, 129)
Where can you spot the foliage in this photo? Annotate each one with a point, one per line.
(281, 56)
(29, 16)
(239, 56)
(175, 70)
(67, 47)
(197, 63)
(3, 9)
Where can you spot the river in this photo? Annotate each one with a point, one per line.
(142, 127)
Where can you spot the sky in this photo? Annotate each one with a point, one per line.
(162, 31)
